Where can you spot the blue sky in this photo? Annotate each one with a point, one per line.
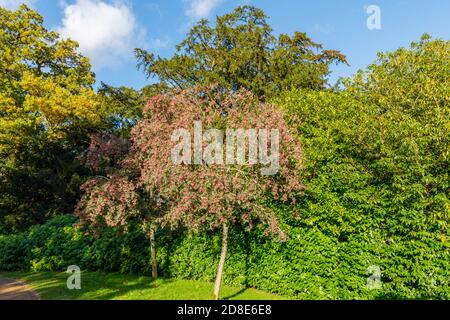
(108, 30)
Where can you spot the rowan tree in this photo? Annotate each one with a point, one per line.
(195, 193)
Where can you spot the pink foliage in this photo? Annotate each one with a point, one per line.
(110, 202)
(197, 196)
(104, 151)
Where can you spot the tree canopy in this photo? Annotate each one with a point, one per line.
(198, 195)
(47, 106)
(240, 51)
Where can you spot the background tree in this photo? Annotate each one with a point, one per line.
(196, 196)
(123, 106)
(240, 51)
(47, 110)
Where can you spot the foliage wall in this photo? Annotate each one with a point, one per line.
(310, 265)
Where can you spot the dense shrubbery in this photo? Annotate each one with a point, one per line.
(378, 167)
(306, 266)
(57, 244)
(310, 265)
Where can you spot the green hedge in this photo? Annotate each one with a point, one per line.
(58, 243)
(310, 265)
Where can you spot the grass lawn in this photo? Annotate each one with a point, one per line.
(115, 286)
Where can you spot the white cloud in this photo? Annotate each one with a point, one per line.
(157, 43)
(14, 4)
(107, 32)
(198, 9)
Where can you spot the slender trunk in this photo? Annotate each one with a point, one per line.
(222, 261)
(153, 253)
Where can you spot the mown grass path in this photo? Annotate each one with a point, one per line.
(115, 286)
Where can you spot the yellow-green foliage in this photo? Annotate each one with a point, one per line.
(47, 109)
(44, 80)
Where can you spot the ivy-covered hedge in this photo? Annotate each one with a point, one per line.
(310, 265)
(58, 244)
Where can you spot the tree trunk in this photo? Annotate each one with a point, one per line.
(153, 253)
(222, 261)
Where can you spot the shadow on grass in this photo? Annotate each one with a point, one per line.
(115, 286)
(94, 285)
(235, 294)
